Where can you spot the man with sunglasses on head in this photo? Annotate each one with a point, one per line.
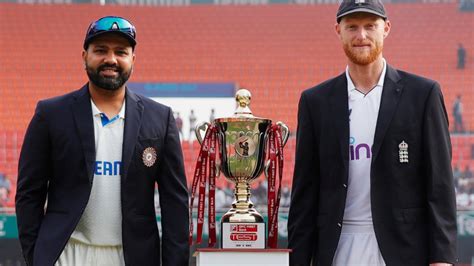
(95, 155)
(372, 182)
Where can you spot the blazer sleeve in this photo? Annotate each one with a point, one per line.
(302, 234)
(440, 184)
(34, 172)
(173, 193)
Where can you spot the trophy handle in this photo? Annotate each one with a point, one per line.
(286, 134)
(285, 130)
(201, 128)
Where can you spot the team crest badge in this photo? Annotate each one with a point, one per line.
(149, 157)
(403, 152)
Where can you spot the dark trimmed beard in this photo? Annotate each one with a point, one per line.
(108, 83)
(363, 58)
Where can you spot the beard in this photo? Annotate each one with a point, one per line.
(363, 58)
(108, 83)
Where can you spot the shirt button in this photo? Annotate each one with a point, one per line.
(339, 224)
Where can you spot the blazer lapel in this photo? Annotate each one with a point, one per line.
(82, 112)
(392, 90)
(340, 115)
(133, 116)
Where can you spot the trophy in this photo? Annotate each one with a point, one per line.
(243, 146)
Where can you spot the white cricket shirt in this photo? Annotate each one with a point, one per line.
(363, 113)
(101, 222)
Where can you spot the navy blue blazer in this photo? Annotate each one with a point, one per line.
(57, 161)
(413, 204)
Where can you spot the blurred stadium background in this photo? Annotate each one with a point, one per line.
(274, 48)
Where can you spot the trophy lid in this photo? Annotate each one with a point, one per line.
(243, 97)
(242, 111)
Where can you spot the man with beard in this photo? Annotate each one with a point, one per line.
(372, 182)
(95, 156)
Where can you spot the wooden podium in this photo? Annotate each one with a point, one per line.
(242, 257)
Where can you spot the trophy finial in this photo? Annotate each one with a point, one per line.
(243, 97)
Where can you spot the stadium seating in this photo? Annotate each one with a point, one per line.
(275, 51)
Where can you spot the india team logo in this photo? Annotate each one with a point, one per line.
(149, 156)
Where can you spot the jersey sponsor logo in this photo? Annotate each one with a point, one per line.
(359, 151)
(107, 168)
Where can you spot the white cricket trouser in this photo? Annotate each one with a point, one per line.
(76, 253)
(358, 247)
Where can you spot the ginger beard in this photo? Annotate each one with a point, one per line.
(362, 56)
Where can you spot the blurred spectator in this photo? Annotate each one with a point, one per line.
(457, 174)
(212, 116)
(229, 190)
(5, 187)
(179, 125)
(457, 113)
(465, 189)
(467, 173)
(224, 197)
(285, 196)
(192, 125)
(461, 56)
(221, 200)
(462, 198)
(260, 193)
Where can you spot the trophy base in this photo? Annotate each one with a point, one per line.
(243, 228)
(243, 235)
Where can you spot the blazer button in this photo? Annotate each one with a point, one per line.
(344, 185)
(339, 224)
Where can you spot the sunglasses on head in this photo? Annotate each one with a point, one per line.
(111, 24)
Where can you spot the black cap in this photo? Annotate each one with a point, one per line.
(369, 6)
(111, 24)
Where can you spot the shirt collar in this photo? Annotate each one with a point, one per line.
(350, 85)
(97, 112)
